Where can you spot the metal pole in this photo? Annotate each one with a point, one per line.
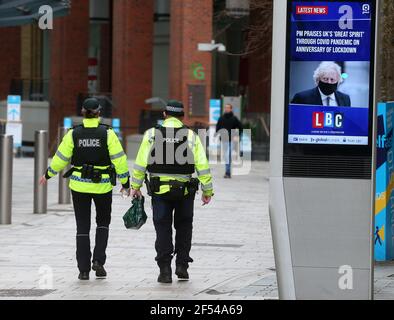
(64, 191)
(2, 127)
(6, 160)
(40, 166)
(377, 95)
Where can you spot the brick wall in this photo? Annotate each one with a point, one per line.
(191, 23)
(10, 56)
(69, 64)
(132, 60)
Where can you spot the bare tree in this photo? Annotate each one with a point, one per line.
(258, 33)
(257, 29)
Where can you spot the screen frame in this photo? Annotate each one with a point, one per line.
(290, 149)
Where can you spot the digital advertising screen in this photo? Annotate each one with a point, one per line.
(330, 69)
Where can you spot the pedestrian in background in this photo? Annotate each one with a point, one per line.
(228, 122)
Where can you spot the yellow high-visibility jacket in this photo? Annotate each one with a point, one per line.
(200, 161)
(118, 158)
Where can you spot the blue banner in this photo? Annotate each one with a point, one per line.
(384, 198)
(318, 120)
(321, 31)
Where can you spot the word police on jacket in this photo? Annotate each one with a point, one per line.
(172, 140)
(89, 143)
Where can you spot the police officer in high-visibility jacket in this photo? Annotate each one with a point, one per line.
(171, 153)
(97, 157)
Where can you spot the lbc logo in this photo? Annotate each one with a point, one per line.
(327, 120)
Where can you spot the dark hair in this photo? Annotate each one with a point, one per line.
(90, 114)
(174, 115)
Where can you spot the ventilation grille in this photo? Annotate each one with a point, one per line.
(327, 167)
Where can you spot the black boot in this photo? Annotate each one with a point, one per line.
(83, 275)
(181, 272)
(165, 275)
(100, 271)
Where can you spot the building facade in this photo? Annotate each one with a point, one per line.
(128, 51)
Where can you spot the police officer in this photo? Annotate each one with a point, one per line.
(97, 157)
(171, 153)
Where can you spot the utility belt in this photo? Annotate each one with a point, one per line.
(177, 188)
(88, 171)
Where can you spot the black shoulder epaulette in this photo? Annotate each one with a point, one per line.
(106, 125)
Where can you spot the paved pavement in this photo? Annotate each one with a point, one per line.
(384, 280)
(232, 247)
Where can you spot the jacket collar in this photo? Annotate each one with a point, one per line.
(172, 122)
(91, 123)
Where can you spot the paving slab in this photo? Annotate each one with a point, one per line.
(232, 248)
(231, 243)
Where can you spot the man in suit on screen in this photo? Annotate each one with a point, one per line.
(327, 76)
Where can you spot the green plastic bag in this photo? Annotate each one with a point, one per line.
(135, 217)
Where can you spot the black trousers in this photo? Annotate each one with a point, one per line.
(82, 207)
(166, 211)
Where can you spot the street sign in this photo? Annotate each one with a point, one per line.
(67, 123)
(214, 110)
(14, 108)
(15, 129)
(116, 125)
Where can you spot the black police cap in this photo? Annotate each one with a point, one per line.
(175, 108)
(91, 104)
